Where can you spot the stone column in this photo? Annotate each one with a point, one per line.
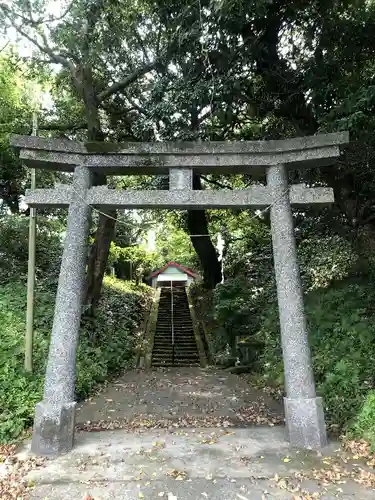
(303, 410)
(54, 422)
(180, 179)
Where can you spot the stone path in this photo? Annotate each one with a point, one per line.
(180, 394)
(189, 434)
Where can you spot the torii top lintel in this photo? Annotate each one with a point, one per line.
(158, 157)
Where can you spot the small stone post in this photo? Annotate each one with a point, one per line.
(54, 422)
(180, 179)
(303, 410)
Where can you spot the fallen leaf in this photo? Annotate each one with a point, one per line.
(177, 474)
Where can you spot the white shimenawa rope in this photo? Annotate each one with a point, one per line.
(220, 249)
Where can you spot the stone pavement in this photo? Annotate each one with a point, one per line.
(174, 394)
(189, 434)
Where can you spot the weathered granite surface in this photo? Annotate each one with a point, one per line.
(181, 147)
(304, 414)
(180, 178)
(54, 421)
(157, 158)
(180, 198)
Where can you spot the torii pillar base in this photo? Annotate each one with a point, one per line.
(53, 432)
(305, 422)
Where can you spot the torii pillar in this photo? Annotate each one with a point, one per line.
(53, 431)
(304, 413)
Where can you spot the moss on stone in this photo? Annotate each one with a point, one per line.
(104, 147)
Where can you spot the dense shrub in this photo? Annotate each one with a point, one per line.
(106, 345)
(342, 337)
(340, 299)
(364, 425)
(14, 231)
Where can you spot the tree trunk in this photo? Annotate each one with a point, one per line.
(98, 258)
(99, 251)
(197, 225)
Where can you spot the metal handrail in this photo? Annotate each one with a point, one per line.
(172, 323)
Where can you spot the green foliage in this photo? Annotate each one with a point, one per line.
(324, 260)
(242, 302)
(142, 261)
(15, 117)
(364, 424)
(342, 338)
(173, 244)
(233, 308)
(14, 230)
(339, 307)
(104, 349)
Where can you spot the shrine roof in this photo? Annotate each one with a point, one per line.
(173, 264)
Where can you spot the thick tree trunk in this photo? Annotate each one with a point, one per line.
(197, 225)
(99, 251)
(98, 258)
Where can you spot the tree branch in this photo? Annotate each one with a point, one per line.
(63, 127)
(56, 58)
(140, 41)
(122, 84)
(46, 49)
(216, 183)
(136, 106)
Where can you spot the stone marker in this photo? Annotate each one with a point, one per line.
(54, 420)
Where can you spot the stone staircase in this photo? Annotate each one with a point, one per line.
(185, 351)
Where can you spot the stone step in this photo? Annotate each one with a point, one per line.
(182, 325)
(190, 348)
(182, 334)
(176, 361)
(178, 354)
(178, 339)
(168, 349)
(180, 342)
(167, 337)
(173, 365)
(179, 346)
(185, 326)
(178, 333)
(167, 352)
(167, 332)
(178, 319)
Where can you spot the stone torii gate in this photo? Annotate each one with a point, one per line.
(54, 423)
